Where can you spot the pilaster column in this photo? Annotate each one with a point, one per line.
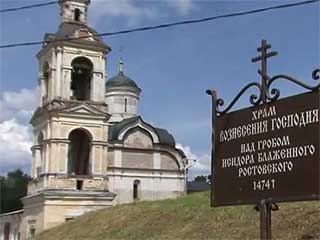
(117, 158)
(43, 92)
(97, 88)
(33, 160)
(66, 83)
(58, 67)
(38, 153)
(36, 160)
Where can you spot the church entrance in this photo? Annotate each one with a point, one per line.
(81, 78)
(79, 153)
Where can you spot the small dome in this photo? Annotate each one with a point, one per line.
(121, 80)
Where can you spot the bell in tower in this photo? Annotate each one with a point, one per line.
(81, 78)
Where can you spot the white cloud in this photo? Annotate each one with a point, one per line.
(18, 104)
(15, 145)
(23, 99)
(16, 109)
(133, 12)
(182, 6)
(120, 8)
(202, 165)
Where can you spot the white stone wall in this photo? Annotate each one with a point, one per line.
(160, 169)
(14, 221)
(54, 157)
(154, 185)
(138, 139)
(33, 217)
(122, 104)
(42, 214)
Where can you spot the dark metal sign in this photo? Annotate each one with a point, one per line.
(268, 152)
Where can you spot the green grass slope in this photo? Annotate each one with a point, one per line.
(188, 217)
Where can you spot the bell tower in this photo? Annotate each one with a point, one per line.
(75, 10)
(70, 129)
(72, 69)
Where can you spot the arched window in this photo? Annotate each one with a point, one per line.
(136, 189)
(81, 78)
(77, 13)
(79, 152)
(41, 154)
(45, 74)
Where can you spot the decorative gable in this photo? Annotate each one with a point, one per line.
(138, 138)
(138, 124)
(84, 109)
(71, 107)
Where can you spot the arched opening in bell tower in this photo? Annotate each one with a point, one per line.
(45, 74)
(79, 152)
(81, 78)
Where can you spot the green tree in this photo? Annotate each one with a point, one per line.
(200, 178)
(12, 188)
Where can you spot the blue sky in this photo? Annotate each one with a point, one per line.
(173, 66)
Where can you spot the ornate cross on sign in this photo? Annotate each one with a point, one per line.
(263, 71)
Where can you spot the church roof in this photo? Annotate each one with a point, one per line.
(121, 80)
(164, 136)
(71, 29)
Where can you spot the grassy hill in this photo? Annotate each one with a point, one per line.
(188, 217)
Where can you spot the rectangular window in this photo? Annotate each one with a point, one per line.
(79, 184)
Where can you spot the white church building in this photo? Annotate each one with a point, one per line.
(90, 149)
